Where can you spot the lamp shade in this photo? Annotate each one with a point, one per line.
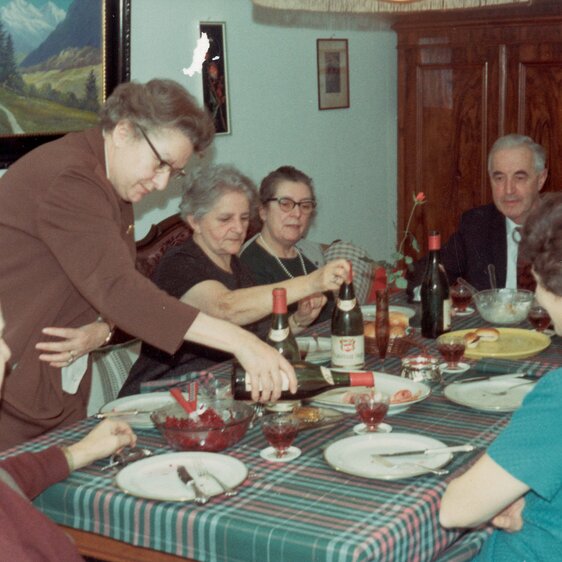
(380, 6)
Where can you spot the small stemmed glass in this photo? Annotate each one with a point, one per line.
(372, 408)
(382, 326)
(280, 430)
(539, 317)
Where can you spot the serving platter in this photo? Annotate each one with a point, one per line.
(357, 455)
(340, 398)
(156, 478)
(484, 395)
(513, 343)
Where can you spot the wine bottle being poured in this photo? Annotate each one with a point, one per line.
(311, 380)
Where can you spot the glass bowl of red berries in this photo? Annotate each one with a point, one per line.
(215, 426)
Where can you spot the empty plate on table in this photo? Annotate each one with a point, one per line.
(403, 392)
(369, 311)
(357, 455)
(315, 350)
(502, 393)
(145, 404)
(156, 478)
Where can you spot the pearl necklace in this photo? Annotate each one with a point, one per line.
(278, 260)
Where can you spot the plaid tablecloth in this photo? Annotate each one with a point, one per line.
(298, 511)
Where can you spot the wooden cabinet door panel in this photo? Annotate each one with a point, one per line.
(538, 84)
(448, 128)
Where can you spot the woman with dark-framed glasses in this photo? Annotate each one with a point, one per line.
(68, 258)
(287, 207)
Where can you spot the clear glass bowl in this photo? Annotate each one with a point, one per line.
(222, 424)
(503, 306)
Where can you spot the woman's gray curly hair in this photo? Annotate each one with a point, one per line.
(206, 185)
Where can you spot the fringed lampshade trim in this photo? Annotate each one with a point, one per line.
(375, 6)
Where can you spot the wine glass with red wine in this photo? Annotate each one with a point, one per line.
(382, 325)
(539, 318)
(371, 409)
(280, 430)
(451, 349)
(461, 297)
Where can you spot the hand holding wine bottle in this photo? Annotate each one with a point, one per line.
(312, 379)
(348, 339)
(330, 276)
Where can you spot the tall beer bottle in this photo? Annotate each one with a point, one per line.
(435, 299)
(348, 340)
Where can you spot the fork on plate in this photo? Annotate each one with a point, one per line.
(203, 472)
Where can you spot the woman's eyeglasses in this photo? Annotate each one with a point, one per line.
(287, 204)
(163, 166)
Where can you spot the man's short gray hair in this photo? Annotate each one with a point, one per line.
(515, 141)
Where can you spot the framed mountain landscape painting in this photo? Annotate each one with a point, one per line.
(59, 60)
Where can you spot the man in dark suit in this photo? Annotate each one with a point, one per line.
(488, 234)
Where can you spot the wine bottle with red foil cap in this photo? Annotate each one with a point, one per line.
(435, 297)
(348, 340)
(280, 336)
(312, 379)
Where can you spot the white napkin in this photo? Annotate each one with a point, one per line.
(73, 374)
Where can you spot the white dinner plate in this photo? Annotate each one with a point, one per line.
(156, 478)
(318, 350)
(389, 384)
(144, 402)
(357, 455)
(369, 311)
(480, 394)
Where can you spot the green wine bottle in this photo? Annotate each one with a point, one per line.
(280, 336)
(311, 380)
(348, 340)
(434, 293)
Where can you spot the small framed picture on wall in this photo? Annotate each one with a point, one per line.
(333, 73)
(215, 83)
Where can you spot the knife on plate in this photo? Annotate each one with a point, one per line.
(183, 474)
(435, 451)
(524, 376)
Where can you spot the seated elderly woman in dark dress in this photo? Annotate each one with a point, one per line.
(205, 271)
(279, 252)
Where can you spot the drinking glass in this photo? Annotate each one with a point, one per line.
(451, 349)
(539, 318)
(461, 297)
(280, 431)
(372, 408)
(382, 327)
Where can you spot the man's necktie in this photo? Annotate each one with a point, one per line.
(525, 279)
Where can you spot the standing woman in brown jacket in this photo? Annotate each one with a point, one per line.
(68, 255)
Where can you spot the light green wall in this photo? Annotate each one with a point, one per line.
(350, 153)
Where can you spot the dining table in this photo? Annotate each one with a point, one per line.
(302, 510)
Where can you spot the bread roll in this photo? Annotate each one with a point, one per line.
(487, 334)
(398, 319)
(471, 339)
